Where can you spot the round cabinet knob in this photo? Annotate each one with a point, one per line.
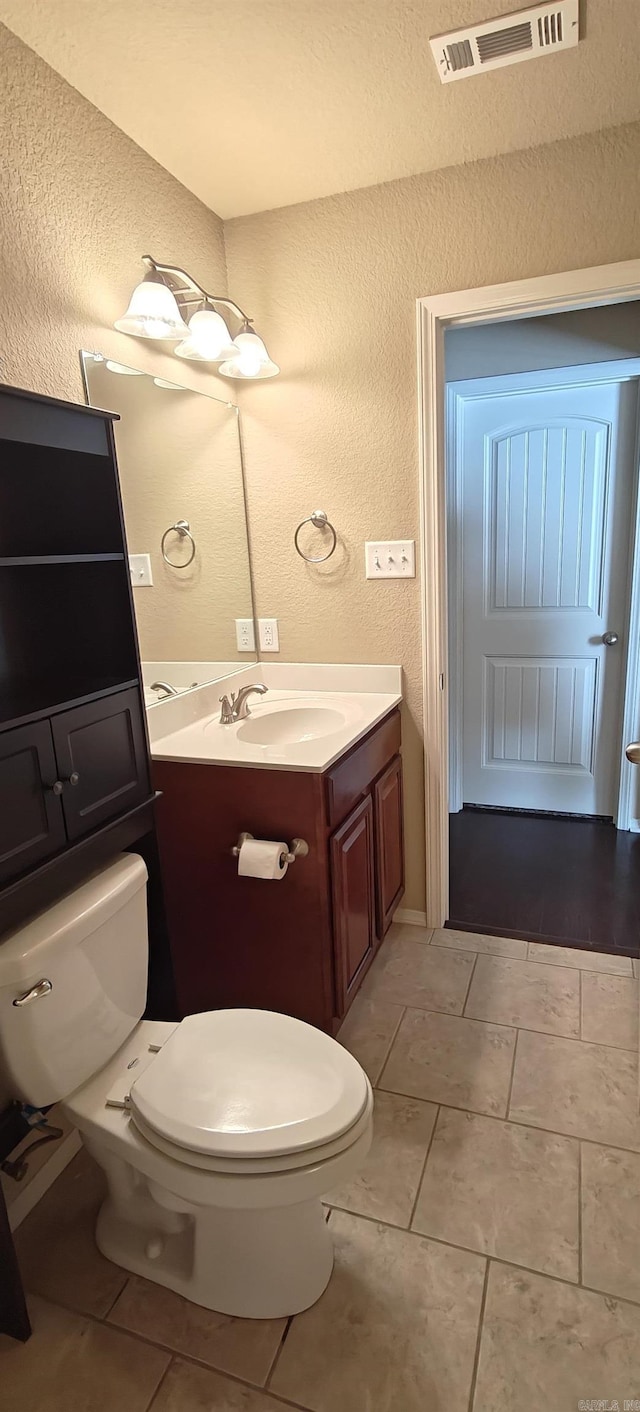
(57, 787)
(74, 778)
(610, 639)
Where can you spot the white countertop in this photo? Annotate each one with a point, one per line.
(195, 734)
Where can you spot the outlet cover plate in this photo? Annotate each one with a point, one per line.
(268, 635)
(245, 635)
(390, 559)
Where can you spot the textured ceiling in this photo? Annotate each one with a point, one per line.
(260, 103)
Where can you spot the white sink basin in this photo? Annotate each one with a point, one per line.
(292, 726)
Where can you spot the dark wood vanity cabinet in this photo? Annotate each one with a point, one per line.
(303, 944)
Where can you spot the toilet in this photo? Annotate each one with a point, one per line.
(218, 1136)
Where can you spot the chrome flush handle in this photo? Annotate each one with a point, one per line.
(43, 987)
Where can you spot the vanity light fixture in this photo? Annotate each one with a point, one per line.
(167, 297)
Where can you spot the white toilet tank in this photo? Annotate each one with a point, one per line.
(91, 950)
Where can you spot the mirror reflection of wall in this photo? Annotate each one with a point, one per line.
(179, 459)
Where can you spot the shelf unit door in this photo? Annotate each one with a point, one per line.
(102, 759)
(31, 819)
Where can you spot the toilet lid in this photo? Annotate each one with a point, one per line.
(249, 1083)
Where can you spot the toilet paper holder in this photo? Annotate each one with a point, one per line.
(299, 848)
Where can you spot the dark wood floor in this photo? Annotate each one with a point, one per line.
(575, 882)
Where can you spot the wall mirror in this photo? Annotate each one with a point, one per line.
(180, 464)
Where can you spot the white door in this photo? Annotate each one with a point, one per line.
(545, 493)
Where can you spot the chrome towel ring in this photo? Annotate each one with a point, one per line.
(181, 528)
(320, 520)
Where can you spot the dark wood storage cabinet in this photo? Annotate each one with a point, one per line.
(75, 782)
(304, 944)
(73, 745)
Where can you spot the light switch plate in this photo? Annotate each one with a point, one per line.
(390, 559)
(140, 570)
(268, 635)
(245, 635)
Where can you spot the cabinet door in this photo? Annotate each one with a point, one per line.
(387, 803)
(31, 819)
(102, 760)
(353, 900)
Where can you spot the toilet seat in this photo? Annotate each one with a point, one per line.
(250, 1090)
(246, 1167)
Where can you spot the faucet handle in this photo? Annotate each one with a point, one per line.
(226, 710)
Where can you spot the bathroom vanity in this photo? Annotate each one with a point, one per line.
(301, 944)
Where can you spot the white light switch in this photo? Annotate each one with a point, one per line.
(268, 635)
(245, 635)
(140, 570)
(390, 559)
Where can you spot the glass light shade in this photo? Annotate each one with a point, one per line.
(209, 340)
(123, 369)
(171, 386)
(153, 312)
(250, 359)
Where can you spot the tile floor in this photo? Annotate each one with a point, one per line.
(487, 1255)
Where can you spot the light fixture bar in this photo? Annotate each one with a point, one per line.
(192, 292)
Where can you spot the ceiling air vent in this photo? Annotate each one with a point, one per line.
(507, 40)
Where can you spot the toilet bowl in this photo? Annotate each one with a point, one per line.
(218, 1136)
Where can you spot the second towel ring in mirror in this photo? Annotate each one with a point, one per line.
(181, 528)
(320, 520)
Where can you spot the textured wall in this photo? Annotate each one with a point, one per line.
(80, 203)
(333, 284)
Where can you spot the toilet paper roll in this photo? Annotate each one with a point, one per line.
(260, 858)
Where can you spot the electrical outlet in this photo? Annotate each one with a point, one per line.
(390, 559)
(245, 635)
(140, 570)
(268, 635)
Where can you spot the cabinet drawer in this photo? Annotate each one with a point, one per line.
(348, 781)
(102, 760)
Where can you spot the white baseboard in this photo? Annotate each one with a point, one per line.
(410, 918)
(24, 1201)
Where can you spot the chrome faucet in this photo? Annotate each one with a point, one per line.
(164, 686)
(237, 709)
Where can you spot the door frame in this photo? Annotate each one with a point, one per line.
(457, 394)
(544, 294)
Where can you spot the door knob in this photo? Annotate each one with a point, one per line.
(610, 639)
(632, 752)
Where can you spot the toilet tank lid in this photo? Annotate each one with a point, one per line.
(71, 920)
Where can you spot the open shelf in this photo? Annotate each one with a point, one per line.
(24, 560)
(65, 629)
(27, 701)
(57, 501)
